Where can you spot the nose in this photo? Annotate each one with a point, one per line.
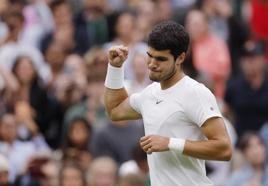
(152, 64)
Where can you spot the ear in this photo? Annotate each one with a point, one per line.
(180, 58)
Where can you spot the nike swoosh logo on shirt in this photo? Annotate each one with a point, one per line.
(158, 101)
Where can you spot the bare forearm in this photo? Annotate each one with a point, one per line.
(113, 97)
(208, 150)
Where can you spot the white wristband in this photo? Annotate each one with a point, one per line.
(114, 77)
(176, 144)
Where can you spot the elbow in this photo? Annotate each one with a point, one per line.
(227, 155)
(113, 116)
(227, 152)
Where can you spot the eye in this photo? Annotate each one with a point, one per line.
(161, 59)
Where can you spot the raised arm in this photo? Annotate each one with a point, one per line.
(115, 97)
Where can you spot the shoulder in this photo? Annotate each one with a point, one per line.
(194, 89)
(150, 88)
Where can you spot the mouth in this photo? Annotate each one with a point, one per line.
(154, 71)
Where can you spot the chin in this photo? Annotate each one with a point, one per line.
(153, 78)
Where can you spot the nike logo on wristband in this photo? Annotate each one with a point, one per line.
(158, 101)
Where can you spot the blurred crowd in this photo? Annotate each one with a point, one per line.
(53, 127)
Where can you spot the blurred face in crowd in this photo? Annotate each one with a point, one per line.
(55, 56)
(125, 25)
(24, 70)
(14, 23)
(164, 10)
(196, 24)
(51, 171)
(79, 133)
(74, 64)
(146, 10)
(252, 65)
(62, 14)
(255, 151)
(8, 128)
(72, 176)
(103, 172)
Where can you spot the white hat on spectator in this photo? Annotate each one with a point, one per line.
(4, 165)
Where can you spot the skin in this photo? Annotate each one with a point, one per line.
(166, 70)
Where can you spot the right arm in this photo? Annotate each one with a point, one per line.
(116, 99)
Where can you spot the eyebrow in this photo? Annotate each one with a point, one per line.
(158, 58)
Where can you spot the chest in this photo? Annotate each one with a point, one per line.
(161, 114)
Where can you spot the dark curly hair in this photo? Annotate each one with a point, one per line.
(169, 35)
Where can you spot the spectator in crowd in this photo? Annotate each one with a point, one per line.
(126, 34)
(17, 151)
(77, 142)
(38, 22)
(204, 47)
(102, 172)
(92, 27)
(60, 98)
(255, 170)
(40, 170)
(247, 95)
(31, 103)
(146, 18)
(13, 46)
(31, 90)
(91, 106)
(72, 175)
(63, 31)
(224, 24)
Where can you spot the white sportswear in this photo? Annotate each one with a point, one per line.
(176, 112)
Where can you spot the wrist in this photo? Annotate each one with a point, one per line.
(114, 77)
(115, 66)
(176, 145)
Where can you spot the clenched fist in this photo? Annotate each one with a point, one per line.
(117, 55)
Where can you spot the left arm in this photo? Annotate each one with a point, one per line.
(217, 147)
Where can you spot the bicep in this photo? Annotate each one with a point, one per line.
(124, 111)
(214, 129)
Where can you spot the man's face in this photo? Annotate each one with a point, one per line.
(252, 65)
(161, 64)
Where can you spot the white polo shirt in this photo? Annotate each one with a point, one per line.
(177, 112)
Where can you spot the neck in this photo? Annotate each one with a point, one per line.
(177, 76)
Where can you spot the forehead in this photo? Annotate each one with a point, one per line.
(155, 52)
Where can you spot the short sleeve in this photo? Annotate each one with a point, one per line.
(201, 105)
(135, 102)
